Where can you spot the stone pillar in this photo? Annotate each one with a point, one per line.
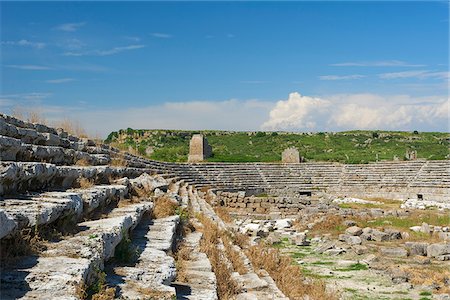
(198, 149)
(411, 154)
(290, 156)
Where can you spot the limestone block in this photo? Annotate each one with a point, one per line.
(435, 250)
(354, 230)
(416, 248)
(394, 251)
(9, 148)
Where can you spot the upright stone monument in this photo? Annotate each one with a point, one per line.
(198, 149)
(290, 156)
(411, 154)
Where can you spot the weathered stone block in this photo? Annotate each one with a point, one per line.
(199, 149)
(290, 156)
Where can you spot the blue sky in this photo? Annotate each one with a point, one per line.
(301, 66)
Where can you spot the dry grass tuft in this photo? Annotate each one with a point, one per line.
(240, 239)
(80, 291)
(288, 277)
(427, 275)
(26, 242)
(84, 183)
(227, 288)
(233, 255)
(34, 115)
(105, 294)
(181, 257)
(82, 162)
(222, 212)
(119, 161)
(72, 127)
(164, 207)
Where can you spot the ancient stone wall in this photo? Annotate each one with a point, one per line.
(276, 206)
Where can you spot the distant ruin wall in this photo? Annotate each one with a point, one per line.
(265, 204)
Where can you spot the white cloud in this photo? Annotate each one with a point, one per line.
(420, 74)
(70, 27)
(161, 35)
(59, 80)
(107, 52)
(385, 63)
(297, 112)
(339, 77)
(25, 43)
(359, 111)
(29, 67)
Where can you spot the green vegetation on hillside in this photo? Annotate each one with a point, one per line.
(345, 147)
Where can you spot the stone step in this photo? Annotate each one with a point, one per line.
(44, 208)
(201, 280)
(154, 270)
(62, 270)
(19, 177)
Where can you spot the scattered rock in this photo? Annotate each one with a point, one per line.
(350, 239)
(416, 248)
(379, 236)
(349, 223)
(354, 230)
(398, 275)
(360, 249)
(371, 258)
(300, 240)
(394, 251)
(439, 249)
(321, 249)
(334, 252)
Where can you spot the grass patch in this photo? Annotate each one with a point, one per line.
(425, 293)
(297, 255)
(346, 147)
(125, 252)
(322, 263)
(98, 290)
(414, 219)
(353, 267)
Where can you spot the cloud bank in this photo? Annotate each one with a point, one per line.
(359, 111)
(296, 113)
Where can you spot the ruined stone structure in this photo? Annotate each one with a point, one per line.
(49, 179)
(198, 149)
(290, 156)
(411, 154)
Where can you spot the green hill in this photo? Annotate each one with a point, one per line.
(346, 147)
